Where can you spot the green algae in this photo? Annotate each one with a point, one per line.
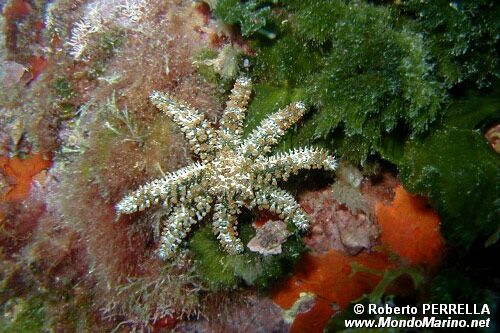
(457, 169)
(462, 37)
(224, 271)
(104, 48)
(389, 276)
(460, 173)
(27, 316)
(252, 15)
(63, 88)
(362, 74)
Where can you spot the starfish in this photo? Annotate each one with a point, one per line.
(233, 171)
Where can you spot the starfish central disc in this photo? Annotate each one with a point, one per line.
(229, 175)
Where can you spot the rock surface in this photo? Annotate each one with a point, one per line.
(269, 238)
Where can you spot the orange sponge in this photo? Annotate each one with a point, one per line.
(20, 172)
(410, 228)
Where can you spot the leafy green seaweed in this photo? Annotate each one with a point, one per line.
(251, 15)
(362, 74)
(461, 175)
(224, 271)
(462, 36)
(458, 170)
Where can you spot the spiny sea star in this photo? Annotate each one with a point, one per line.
(233, 172)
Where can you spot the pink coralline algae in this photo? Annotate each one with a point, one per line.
(269, 238)
(333, 226)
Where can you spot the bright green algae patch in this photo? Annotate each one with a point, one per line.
(251, 15)
(462, 37)
(364, 75)
(224, 271)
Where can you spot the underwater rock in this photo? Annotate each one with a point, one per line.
(304, 303)
(493, 137)
(98, 162)
(314, 320)
(333, 226)
(342, 241)
(250, 314)
(10, 73)
(16, 8)
(36, 65)
(357, 232)
(269, 238)
(331, 277)
(12, 132)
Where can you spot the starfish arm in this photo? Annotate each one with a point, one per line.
(282, 203)
(199, 133)
(281, 165)
(172, 188)
(271, 130)
(179, 223)
(224, 226)
(234, 113)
